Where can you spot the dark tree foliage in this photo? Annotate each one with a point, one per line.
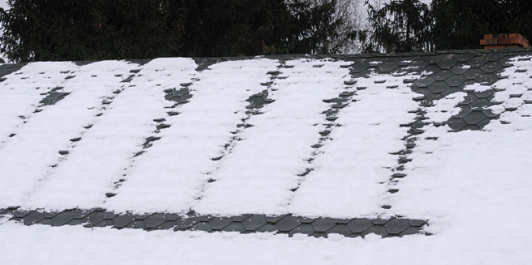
(399, 26)
(460, 24)
(37, 30)
(408, 25)
(311, 29)
(87, 30)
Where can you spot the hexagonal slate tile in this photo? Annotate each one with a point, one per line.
(323, 224)
(254, 222)
(438, 87)
(154, 220)
(359, 67)
(234, 227)
(218, 223)
(442, 75)
(455, 80)
(396, 226)
(491, 67)
(477, 61)
(424, 82)
(447, 63)
(388, 66)
(303, 229)
(456, 123)
(487, 79)
(473, 74)
(460, 68)
(359, 225)
(62, 218)
(288, 223)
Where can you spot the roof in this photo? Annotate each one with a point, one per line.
(422, 150)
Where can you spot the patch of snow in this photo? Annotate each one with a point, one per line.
(444, 108)
(28, 157)
(172, 173)
(67, 245)
(263, 167)
(21, 92)
(470, 182)
(359, 153)
(99, 159)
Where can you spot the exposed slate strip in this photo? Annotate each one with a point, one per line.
(248, 223)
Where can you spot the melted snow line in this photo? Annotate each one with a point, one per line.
(246, 223)
(106, 101)
(179, 96)
(414, 132)
(331, 114)
(51, 97)
(256, 102)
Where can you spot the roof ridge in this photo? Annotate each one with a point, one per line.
(311, 56)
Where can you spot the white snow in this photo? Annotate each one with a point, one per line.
(29, 156)
(78, 245)
(473, 183)
(472, 186)
(107, 148)
(20, 93)
(265, 164)
(349, 176)
(170, 176)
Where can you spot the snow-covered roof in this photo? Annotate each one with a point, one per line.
(373, 156)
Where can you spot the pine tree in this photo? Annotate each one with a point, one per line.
(399, 26)
(35, 30)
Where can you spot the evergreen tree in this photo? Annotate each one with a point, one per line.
(399, 26)
(36, 30)
(87, 30)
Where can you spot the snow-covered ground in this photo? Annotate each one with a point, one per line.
(77, 245)
(472, 186)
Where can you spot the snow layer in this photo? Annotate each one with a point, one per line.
(263, 167)
(259, 170)
(171, 175)
(21, 92)
(28, 157)
(349, 176)
(472, 186)
(77, 245)
(108, 147)
(475, 182)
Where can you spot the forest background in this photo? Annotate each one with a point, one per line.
(59, 30)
